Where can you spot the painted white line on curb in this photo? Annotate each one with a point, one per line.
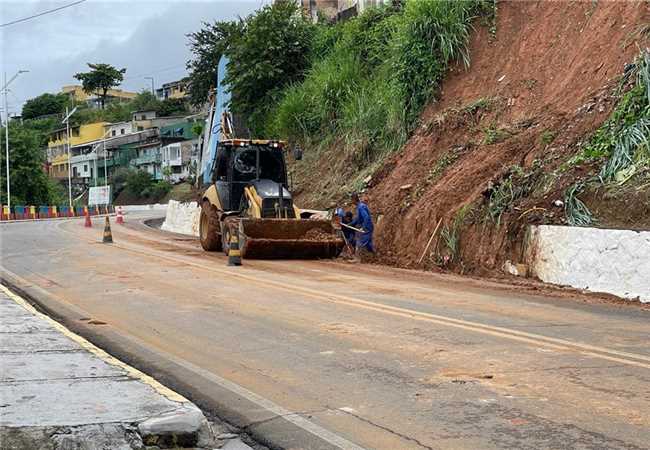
(131, 371)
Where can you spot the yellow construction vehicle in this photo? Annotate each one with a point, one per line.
(248, 195)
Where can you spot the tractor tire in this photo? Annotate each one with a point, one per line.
(209, 228)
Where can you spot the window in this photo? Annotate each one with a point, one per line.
(113, 133)
(121, 130)
(143, 117)
(85, 168)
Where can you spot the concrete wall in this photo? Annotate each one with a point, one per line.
(182, 218)
(599, 260)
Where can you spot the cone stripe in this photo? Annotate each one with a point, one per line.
(108, 236)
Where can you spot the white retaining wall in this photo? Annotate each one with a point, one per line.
(155, 206)
(182, 218)
(600, 260)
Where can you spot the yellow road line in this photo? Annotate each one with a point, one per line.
(521, 336)
(101, 354)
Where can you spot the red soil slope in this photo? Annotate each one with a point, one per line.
(549, 74)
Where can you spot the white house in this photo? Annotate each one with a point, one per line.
(172, 158)
(118, 129)
(83, 166)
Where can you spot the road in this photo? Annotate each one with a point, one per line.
(331, 355)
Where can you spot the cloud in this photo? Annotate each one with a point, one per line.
(146, 37)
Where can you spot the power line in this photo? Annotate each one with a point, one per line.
(41, 14)
(154, 72)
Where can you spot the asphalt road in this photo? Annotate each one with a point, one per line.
(315, 354)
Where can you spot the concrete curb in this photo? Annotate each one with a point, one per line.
(52, 219)
(184, 426)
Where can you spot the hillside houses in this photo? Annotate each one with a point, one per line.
(165, 147)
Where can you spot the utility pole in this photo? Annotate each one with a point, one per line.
(67, 128)
(5, 88)
(7, 144)
(153, 91)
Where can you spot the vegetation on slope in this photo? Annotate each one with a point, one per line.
(362, 83)
(622, 143)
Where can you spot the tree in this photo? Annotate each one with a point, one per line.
(44, 105)
(267, 51)
(272, 53)
(100, 79)
(145, 101)
(29, 182)
(172, 107)
(207, 46)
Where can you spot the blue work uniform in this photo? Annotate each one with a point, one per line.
(364, 221)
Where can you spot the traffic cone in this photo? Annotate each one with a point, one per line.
(234, 254)
(108, 236)
(87, 222)
(119, 217)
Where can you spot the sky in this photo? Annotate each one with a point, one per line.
(147, 37)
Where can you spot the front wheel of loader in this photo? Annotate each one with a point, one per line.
(209, 228)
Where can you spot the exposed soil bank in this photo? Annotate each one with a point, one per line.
(533, 94)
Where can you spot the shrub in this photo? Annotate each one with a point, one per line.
(372, 75)
(138, 182)
(160, 189)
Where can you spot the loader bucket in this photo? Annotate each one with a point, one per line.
(288, 238)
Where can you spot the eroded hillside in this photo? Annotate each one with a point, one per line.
(497, 150)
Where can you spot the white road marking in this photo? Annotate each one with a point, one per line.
(276, 409)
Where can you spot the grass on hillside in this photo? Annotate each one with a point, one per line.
(372, 76)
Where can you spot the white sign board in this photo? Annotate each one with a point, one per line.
(99, 195)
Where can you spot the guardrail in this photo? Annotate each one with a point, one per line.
(32, 212)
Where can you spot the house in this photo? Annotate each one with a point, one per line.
(180, 151)
(77, 94)
(148, 158)
(144, 120)
(141, 120)
(172, 90)
(337, 9)
(119, 129)
(57, 152)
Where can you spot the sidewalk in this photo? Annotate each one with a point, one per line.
(59, 391)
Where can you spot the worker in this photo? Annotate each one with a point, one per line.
(363, 221)
(347, 232)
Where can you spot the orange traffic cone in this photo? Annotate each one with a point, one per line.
(87, 222)
(119, 218)
(108, 236)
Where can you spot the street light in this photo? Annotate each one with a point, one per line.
(5, 89)
(67, 127)
(94, 150)
(153, 91)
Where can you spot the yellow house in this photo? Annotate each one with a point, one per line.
(56, 145)
(77, 92)
(173, 90)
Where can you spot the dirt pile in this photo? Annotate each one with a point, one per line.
(478, 160)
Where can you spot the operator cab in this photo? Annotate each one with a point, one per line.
(258, 163)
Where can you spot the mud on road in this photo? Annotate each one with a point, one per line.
(370, 356)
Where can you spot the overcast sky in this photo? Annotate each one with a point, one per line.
(147, 37)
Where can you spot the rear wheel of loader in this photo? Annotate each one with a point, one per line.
(209, 228)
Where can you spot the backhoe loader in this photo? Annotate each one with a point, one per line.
(248, 195)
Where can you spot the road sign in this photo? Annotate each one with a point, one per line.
(99, 195)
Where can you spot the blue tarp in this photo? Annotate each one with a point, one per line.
(213, 122)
